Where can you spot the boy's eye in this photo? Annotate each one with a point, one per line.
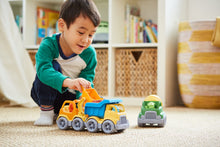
(81, 33)
(91, 35)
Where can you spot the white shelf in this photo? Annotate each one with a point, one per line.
(112, 11)
(31, 47)
(134, 45)
(166, 14)
(100, 45)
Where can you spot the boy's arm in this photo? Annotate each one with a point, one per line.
(89, 56)
(44, 67)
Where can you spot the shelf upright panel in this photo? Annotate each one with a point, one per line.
(111, 55)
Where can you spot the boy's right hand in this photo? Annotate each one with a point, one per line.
(76, 84)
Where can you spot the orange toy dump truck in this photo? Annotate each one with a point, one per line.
(94, 113)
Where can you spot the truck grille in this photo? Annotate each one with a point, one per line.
(123, 120)
(150, 116)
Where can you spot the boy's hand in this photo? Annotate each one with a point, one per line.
(76, 84)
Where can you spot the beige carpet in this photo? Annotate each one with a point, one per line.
(185, 127)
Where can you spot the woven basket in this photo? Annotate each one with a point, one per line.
(101, 75)
(32, 54)
(136, 72)
(198, 65)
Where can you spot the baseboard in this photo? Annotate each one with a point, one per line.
(130, 101)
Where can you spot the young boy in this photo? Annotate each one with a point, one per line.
(66, 61)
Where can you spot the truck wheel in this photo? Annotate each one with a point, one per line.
(78, 124)
(141, 124)
(164, 122)
(62, 123)
(108, 127)
(92, 125)
(161, 125)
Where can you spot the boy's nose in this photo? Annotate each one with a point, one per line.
(85, 39)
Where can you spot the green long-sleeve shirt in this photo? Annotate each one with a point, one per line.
(82, 65)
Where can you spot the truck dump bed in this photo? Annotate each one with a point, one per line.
(98, 109)
(91, 95)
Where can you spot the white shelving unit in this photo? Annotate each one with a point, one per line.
(166, 13)
(148, 9)
(112, 11)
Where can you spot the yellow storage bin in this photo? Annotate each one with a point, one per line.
(198, 65)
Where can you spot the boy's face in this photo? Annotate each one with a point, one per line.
(78, 37)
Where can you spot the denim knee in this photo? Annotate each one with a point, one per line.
(43, 94)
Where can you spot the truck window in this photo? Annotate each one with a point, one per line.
(115, 108)
(70, 107)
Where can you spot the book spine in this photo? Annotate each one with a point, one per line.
(136, 23)
(131, 29)
(154, 31)
(150, 34)
(127, 24)
(140, 31)
(147, 35)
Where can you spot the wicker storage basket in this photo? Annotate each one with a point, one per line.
(101, 75)
(136, 72)
(198, 65)
(32, 53)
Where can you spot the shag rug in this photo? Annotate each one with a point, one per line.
(184, 127)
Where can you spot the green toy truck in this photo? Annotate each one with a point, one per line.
(152, 113)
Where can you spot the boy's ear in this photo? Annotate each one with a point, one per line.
(61, 24)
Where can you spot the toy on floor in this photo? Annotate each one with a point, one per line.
(152, 113)
(93, 113)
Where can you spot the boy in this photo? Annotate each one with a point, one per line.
(66, 61)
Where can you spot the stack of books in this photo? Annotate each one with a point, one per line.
(46, 23)
(138, 30)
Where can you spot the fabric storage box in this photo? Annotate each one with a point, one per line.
(136, 72)
(198, 65)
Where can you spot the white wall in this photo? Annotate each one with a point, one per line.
(175, 12)
(170, 13)
(183, 10)
(203, 9)
(102, 6)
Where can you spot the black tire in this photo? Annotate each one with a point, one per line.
(92, 125)
(108, 127)
(62, 123)
(78, 124)
(141, 124)
(160, 125)
(120, 131)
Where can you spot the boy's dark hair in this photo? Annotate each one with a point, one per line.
(71, 9)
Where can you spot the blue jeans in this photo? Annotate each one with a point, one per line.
(46, 95)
